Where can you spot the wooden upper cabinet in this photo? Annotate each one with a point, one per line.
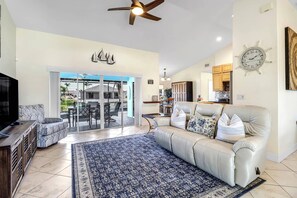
(226, 68)
(226, 77)
(216, 69)
(217, 82)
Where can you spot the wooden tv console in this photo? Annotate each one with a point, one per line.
(16, 153)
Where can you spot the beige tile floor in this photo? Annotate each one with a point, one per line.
(49, 174)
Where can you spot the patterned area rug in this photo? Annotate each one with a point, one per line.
(136, 166)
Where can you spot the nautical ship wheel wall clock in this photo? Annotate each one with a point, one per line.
(253, 58)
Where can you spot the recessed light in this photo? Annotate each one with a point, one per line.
(232, 16)
(219, 39)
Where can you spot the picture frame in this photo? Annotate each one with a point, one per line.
(291, 59)
(150, 81)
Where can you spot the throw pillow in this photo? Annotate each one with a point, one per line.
(230, 130)
(178, 119)
(202, 125)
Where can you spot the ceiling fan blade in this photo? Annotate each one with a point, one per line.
(132, 19)
(121, 8)
(137, 3)
(151, 17)
(153, 4)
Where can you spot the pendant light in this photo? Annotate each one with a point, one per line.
(165, 78)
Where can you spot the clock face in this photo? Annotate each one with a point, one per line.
(252, 58)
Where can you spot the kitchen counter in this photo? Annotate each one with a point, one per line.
(214, 102)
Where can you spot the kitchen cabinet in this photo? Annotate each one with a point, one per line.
(221, 75)
(216, 69)
(217, 82)
(226, 77)
(226, 68)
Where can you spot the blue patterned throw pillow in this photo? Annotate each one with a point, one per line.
(202, 125)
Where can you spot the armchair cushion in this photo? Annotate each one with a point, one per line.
(50, 128)
(252, 143)
(52, 120)
(32, 112)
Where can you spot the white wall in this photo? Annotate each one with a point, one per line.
(193, 73)
(268, 89)
(8, 42)
(39, 52)
(249, 26)
(287, 100)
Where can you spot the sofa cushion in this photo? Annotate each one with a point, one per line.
(217, 158)
(256, 120)
(182, 144)
(163, 136)
(230, 130)
(209, 110)
(178, 119)
(202, 125)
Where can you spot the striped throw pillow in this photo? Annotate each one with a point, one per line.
(230, 130)
(178, 119)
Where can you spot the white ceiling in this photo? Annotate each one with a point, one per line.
(185, 35)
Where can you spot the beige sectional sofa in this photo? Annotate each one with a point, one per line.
(238, 163)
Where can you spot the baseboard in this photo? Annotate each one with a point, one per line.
(278, 158)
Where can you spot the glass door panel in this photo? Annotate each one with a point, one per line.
(68, 98)
(112, 103)
(128, 97)
(88, 117)
(82, 96)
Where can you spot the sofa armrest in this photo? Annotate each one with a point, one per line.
(52, 120)
(252, 143)
(162, 121)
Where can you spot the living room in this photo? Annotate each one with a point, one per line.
(37, 50)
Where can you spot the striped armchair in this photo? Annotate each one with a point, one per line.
(49, 130)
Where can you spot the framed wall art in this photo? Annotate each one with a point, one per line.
(291, 59)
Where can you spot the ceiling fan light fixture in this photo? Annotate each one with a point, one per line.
(137, 10)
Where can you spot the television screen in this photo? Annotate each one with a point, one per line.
(9, 101)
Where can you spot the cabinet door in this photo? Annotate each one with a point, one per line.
(217, 82)
(227, 68)
(226, 77)
(216, 69)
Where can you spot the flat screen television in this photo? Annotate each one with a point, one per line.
(9, 101)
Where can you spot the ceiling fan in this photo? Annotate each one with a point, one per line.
(139, 9)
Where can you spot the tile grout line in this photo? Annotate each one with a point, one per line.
(286, 191)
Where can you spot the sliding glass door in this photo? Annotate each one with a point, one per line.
(91, 102)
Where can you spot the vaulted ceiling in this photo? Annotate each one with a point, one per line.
(186, 34)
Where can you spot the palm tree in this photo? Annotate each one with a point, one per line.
(67, 87)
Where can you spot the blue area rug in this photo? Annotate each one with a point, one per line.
(136, 166)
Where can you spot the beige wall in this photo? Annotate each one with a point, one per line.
(287, 100)
(193, 73)
(8, 42)
(38, 53)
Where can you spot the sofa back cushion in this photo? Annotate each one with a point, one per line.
(256, 119)
(178, 119)
(187, 107)
(32, 112)
(209, 110)
(230, 129)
